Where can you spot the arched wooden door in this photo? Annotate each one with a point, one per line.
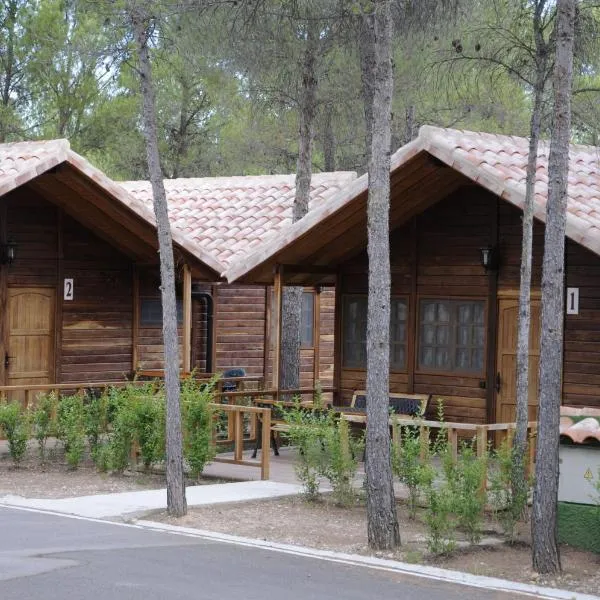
(30, 349)
(506, 379)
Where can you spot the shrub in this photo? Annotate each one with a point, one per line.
(341, 458)
(14, 424)
(149, 426)
(508, 507)
(198, 422)
(308, 433)
(121, 412)
(43, 421)
(70, 428)
(95, 419)
(440, 521)
(466, 480)
(412, 465)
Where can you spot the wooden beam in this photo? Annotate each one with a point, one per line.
(58, 307)
(308, 269)
(337, 338)
(492, 322)
(276, 314)
(267, 333)
(411, 337)
(316, 335)
(135, 318)
(3, 298)
(187, 319)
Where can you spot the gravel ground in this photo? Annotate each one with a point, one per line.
(54, 479)
(326, 526)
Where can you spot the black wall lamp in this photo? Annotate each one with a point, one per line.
(9, 252)
(489, 258)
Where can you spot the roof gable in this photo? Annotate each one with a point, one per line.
(496, 162)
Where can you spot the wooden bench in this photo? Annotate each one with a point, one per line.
(410, 405)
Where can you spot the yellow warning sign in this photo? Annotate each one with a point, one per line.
(588, 475)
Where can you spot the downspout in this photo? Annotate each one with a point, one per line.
(208, 299)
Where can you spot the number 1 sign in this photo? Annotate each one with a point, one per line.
(572, 301)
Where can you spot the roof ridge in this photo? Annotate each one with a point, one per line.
(429, 130)
(271, 177)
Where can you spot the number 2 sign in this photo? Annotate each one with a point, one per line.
(68, 295)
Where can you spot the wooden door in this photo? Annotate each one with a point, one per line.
(508, 310)
(30, 344)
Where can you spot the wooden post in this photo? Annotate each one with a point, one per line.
(276, 314)
(424, 440)
(481, 440)
(265, 453)
(135, 320)
(238, 435)
(317, 335)
(187, 319)
(453, 441)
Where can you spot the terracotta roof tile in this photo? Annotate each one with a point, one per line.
(230, 216)
(580, 425)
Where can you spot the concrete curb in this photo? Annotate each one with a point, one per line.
(434, 573)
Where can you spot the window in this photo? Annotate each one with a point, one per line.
(354, 315)
(452, 335)
(307, 320)
(151, 312)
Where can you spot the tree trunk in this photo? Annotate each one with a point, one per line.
(329, 141)
(382, 522)
(176, 501)
(546, 558)
(292, 296)
(518, 479)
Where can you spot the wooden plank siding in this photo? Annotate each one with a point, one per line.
(440, 248)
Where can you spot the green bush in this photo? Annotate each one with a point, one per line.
(198, 422)
(411, 464)
(13, 422)
(466, 480)
(440, 520)
(341, 458)
(95, 419)
(308, 431)
(70, 428)
(508, 507)
(43, 421)
(121, 410)
(149, 427)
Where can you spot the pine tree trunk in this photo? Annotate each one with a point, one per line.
(518, 479)
(291, 311)
(176, 501)
(546, 558)
(382, 522)
(329, 142)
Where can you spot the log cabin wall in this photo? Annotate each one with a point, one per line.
(581, 371)
(310, 373)
(97, 323)
(91, 335)
(150, 343)
(435, 255)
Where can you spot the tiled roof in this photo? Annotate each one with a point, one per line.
(580, 425)
(230, 216)
(21, 162)
(496, 162)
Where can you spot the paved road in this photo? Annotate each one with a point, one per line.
(43, 556)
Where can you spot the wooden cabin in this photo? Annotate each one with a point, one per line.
(79, 276)
(455, 243)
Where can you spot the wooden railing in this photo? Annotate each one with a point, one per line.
(481, 433)
(28, 393)
(235, 414)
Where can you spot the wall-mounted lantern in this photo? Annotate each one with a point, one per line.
(489, 259)
(9, 252)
